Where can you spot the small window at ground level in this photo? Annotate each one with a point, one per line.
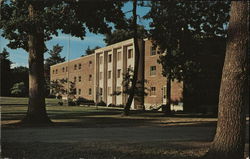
(79, 91)
(90, 91)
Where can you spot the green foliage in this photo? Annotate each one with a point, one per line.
(177, 27)
(20, 74)
(5, 73)
(54, 58)
(127, 85)
(89, 51)
(71, 17)
(57, 87)
(124, 34)
(19, 89)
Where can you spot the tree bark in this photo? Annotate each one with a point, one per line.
(136, 64)
(229, 140)
(36, 113)
(167, 108)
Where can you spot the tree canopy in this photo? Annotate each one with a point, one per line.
(177, 25)
(27, 24)
(5, 64)
(90, 51)
(66, 15)
(119, 35)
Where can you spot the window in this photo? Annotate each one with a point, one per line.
(63, 69)
(79, 91)
(79, 78)
(109, 74)
(110, 58)
(75, 67)
(53, 71)
(74, 79)
(152, 91)
(118, 73)
(152, 51)
(109, 90)
(90, 91)
(90, 63)
(100, 91)
(152, 70)
(101, 59)
(130, 53)
(66, 69)
(79, 66)
(119, 56)
(100, 75)
(90, 77)
(56, 71)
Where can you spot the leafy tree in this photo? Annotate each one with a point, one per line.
(54, 58)
(57, 88)
(5, 73)
(89, 51)
(28, 24)
(138, 57)
(19, 89)
(20, 74)
(229, 141)
(127, 83)
(124, 34)
(175, 27)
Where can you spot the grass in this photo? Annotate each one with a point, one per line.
(68, 117)
(24, 101)
(107, 150)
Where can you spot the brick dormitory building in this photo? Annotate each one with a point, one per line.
(99, 75)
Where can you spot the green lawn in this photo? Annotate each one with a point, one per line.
(24, 101)
(13, 110)
(69, 118)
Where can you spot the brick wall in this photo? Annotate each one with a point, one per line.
(158, 80)
(84, 69)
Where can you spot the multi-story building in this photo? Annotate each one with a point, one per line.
(99, 75)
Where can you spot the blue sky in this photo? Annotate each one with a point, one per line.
(19, 57)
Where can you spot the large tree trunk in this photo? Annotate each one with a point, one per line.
(36, 113)
(136, 65)
(167, 109)
(229, 140)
